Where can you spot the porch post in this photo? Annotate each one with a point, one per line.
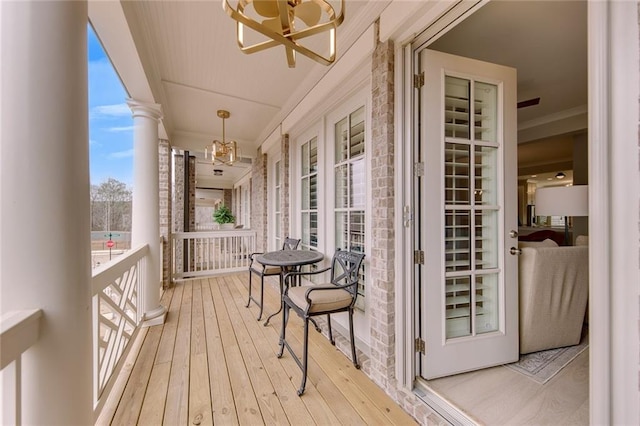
(45, 249)
(145, 227)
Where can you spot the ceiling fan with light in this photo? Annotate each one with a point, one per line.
(287, 22)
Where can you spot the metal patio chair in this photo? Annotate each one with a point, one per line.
(338, 295)
(262, 271)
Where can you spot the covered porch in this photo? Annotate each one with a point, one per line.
(212, 362)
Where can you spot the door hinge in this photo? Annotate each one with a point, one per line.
(418, 169)
(418, 257)
(418, 80)
(421, 346)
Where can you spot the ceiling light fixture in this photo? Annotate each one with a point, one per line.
(560, 175)
(287, 23)
(223, 152)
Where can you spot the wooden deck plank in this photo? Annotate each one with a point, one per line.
(111, 405)
(247, 407)
(200, 411)
(364, 394)
(177, 408)
(282, 386)
(212, 362)
(318, 383)
(153, 405)
(170, 327)
(272, 411)
(223, 405)
(133, 396)
(321, 412)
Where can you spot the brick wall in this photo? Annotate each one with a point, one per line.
(259, 199)
(285, 182)
(192, 194)
(164, 154)
(382, 361)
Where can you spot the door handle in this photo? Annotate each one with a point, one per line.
(515, 251)
(513, 234)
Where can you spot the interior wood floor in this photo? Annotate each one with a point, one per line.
(212, 362)
(501, 396)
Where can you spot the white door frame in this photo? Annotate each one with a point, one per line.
(614, 53)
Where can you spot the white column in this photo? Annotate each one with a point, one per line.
(45, 250)
(145, 227)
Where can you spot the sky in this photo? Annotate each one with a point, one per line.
(110, 121)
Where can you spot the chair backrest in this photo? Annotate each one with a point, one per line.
(290, 244)
(345, 268)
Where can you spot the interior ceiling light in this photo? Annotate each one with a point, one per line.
(287, 22)
(217, 172)
(560, 175)
(223, 152)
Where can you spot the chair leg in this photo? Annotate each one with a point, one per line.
(305, 356)
(249, 299)
(283, 329)
(333, 342)
(354, 357)
(261, 297)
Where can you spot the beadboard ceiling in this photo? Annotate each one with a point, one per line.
(193, 67)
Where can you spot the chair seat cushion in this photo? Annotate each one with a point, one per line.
(269, 270)
(322, 300)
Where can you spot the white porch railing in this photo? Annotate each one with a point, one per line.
(117, 311)
(206, 253)
(19, 330)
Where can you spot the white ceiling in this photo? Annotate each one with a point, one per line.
(193, 66)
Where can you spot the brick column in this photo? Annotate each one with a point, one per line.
(227, 198)
(192, 194)
(164, 152)
(285, 182)
(382, 309)
(259, 199)
(177, 207)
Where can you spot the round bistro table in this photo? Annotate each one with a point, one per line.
(287, 260)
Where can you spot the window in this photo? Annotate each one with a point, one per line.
(350, 190)
(309, 195)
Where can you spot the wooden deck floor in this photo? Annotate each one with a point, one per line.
(212, 362)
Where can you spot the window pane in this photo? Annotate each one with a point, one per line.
(305, 193)
(277, 173)
(456, 108)
(305, 159)
(356, 144)
(313, 155)
(306, 234)
(341, 187)
(458, 306)
(486, 239)
(457, 240)
(342, 227)
(358, 181)
(486, 190)
(486, 303)
(313, 230)
(356, 234)
(342, 140)
(313, 192)
(276, 202)
(456, 174)
(485, 116)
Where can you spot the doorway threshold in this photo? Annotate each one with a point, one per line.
(445, 408)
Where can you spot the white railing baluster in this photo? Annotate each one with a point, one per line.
(213, 252)
(117, 294)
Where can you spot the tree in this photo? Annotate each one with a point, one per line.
(111, 206)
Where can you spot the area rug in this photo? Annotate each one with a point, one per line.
(542, 366)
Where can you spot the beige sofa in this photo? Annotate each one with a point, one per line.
(554, 287)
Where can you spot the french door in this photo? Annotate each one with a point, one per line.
(468, 214)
